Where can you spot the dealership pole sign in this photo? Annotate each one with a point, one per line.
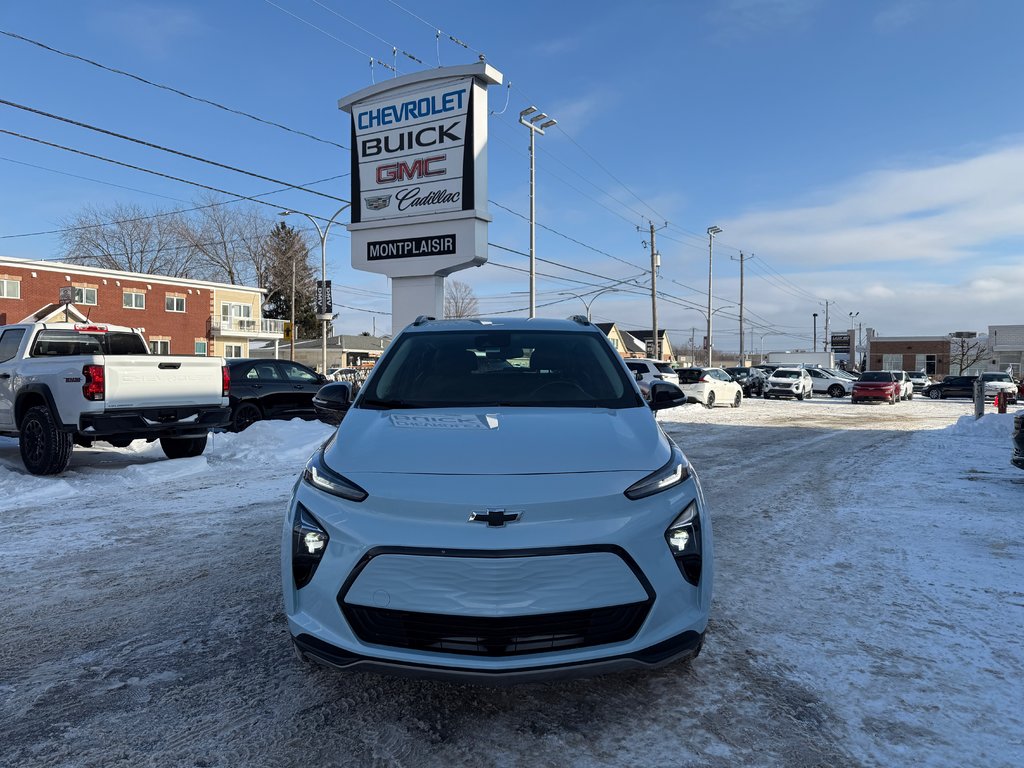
(419, 181)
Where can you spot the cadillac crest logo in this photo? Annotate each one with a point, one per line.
(378, 202)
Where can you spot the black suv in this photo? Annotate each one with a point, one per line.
(271, 389)
(951, 386)
(751, 379)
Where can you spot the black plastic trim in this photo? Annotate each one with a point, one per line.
(44, 391)
(132, 421)
(683, 646)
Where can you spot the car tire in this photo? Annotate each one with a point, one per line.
(183, 447)
(935, 394)
(800, 396)
(736, 401)
(910, 396)
(710, 401)
(836, 390)
(244, 416)
(854, 400)
(45, 449)
(892, 399)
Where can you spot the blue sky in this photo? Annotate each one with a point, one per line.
(868, 153)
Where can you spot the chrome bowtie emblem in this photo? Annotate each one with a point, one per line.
(495, 518)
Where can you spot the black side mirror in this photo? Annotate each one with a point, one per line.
(332, 401)
(665, 394)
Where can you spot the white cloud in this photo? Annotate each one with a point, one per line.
(943, 213)
(898, 15)
(741, 18)
(153, 28)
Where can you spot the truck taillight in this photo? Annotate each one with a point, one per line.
(225, 381)
(95, 382)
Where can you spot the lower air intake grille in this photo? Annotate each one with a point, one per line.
(490, 636)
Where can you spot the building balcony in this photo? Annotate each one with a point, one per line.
(247, 327)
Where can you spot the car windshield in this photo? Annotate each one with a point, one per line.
(997, 377)
(784, 374)
(876, 376)
(664, 368)
(500, 368)
(738, 372)
(689, 375)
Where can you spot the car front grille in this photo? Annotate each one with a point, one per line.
(496, 636)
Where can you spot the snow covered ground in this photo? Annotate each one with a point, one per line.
(869, 610)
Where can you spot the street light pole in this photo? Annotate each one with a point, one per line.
(532, 124)
(586, 303)
(712, 231)
(323, 316)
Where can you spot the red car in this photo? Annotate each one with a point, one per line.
(876, 385)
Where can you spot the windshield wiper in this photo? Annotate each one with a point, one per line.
(387, 404)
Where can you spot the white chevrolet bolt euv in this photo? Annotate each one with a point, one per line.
(499, 503)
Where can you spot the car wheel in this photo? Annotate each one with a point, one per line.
(892, 399)
(244, 416)
(737, 400)
(934, 394)
(800, 396)
(910, 396)
(45, 450)
(711, 400)
(854, 400)
(836, 390)
(183, 447)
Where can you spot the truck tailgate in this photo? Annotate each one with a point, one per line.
(146, 381)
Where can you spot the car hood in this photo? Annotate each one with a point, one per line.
(498, 441)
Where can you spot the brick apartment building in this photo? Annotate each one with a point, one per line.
(930, 354)
(178, 316)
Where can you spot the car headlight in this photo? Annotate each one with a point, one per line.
(675, 471)
(683, 539)
(323, 478)
(309, 542)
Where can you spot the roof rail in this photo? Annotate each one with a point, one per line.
(422, 319)
(581, 319)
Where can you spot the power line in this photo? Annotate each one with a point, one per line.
(373, 60)
(394, 48)
(170, 89)
(137, 168)
(149, 216)
(151, 145)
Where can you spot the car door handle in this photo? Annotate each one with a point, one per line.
(296, 386)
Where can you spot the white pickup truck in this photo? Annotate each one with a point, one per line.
(66, 384)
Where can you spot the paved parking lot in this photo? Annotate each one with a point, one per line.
(868, 611)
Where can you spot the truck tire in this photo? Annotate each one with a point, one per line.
(45, 450)
(183, 447)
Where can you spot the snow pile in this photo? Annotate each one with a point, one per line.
(269, 442)
(991, 424)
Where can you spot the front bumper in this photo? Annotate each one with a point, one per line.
(679, 648)
(575, 587)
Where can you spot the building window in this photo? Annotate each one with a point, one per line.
(134, 300)
(925, 363)
(892, 362)
(160, 347)
(10, 289)
(85, 296)
(175, 304)
(232, 350)
(200, 347)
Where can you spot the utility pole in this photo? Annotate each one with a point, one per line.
(815, 316)
(741, 260)
(655, 257)
(827, 302)
(291, 355)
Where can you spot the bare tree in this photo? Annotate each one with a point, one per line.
(459, 300)
(965, 352)
(128, 238)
